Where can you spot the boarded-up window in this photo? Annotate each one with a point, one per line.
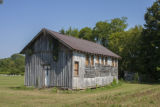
(116, 62)
(92, 60)
(102, 62)
(97, 59)
(87, 60)
(106, 61)
(112, 62)
(76, 68)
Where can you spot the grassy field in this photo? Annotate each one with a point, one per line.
(13, 94)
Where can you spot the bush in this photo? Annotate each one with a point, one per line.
(136, 77)
(114, 83)
(55, 90)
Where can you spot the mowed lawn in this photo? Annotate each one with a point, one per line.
(127, 94)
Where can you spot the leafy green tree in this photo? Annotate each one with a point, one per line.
(126, 44)
(101, 32)
(104, 29)
(86, 33)
(70, 32)
(118, 24)
(13, 65)
(150, 42)
(62, 31)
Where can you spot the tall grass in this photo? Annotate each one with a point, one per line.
(114, 84)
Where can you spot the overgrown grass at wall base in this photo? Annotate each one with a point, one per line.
(114, 84)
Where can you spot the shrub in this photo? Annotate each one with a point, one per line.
(114, 83)
(136, 77)
(55, 90)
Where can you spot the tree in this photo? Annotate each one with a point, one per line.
(12, 65)
(104, 29)
(86, 33)
(101, 32)
(62, 31)
(70, 32)
(118, 24)
(150, 42)
(126, 44)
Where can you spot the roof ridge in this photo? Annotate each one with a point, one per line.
(76, 44)
(74, 37)
(93, 43)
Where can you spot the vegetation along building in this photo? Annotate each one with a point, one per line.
(53, 59)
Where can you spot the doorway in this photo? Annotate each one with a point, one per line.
(47, 75)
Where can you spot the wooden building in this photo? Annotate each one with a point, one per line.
(53, 59)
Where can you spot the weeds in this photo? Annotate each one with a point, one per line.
(114, 84)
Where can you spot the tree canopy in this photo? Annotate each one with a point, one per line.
(126, 44)
(150, 42)
(13, 65)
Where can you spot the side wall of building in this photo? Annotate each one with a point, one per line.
(92, 76)
(60, 73)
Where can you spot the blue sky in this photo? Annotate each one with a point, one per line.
(21, 20)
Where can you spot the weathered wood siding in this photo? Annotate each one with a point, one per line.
(61, 71)
(92, 76)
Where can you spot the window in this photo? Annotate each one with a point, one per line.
(116, 62)
(76, 68)
(102, 62)
(87, 60)
(106, 61)
(97, 59)
(113, 62)
(92, 60)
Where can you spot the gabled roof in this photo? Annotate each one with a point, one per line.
(77, 44)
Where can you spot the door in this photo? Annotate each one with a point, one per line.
(47, 73)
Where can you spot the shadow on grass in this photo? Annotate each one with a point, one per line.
(22, 88)
(149, 83)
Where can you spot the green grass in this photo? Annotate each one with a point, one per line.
(14, 94)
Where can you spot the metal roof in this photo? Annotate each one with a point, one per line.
(78, 44)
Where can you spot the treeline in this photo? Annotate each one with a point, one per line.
(13, 65)
(113, 35)
(139, 46)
